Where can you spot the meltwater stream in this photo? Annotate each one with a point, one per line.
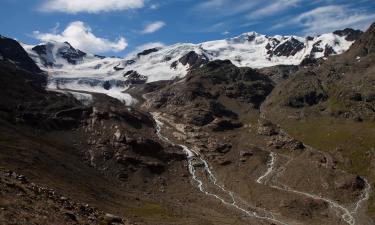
(224, 193)
(347, 215)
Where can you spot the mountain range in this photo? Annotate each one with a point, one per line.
(247, 130)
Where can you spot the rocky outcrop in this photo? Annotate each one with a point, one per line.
(278, 139)
(11, 51)
(350, 34)
(28, 102)
(339, 86)
(133, 77)
(47, 53)
(191, 59)
(288, 48)
(267, 128)
(197, 98)
(30, 202)
(279, 73)
(365, 45)
(147, 52)
(120, 142)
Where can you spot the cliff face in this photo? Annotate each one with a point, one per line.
(12, 51)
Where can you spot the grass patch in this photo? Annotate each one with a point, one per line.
(153, 211)
(356, 139)
(334, 105)
(327, 134)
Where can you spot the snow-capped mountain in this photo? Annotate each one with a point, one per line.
(249, 49)
(70, 68)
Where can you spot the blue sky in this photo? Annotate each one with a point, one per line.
(117, 27)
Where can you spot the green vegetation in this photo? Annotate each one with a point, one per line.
(334, 105)
(355, 139)
(153, 211)
(328, 134)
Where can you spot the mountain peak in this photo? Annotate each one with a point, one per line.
(366, 43)
(12, 51)
(349, 33)
(50, 53)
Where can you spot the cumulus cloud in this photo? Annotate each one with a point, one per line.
(153, 27)
(81, 36)
(90, 6)
(329, 18)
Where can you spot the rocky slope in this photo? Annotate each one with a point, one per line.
(35, 204)
(204, 95)
(11, 51)
(101, 153)
(213, 136)
(342, 86)
(330, 106)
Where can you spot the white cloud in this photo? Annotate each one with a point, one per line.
(219, 8)
(155, 6)
(276, 6)
(90, 6)
(153, 27)
(217, 27)
(225, 32)
(80, 35)
(56, 28)
(329, 18)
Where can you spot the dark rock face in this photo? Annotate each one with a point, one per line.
(270, 46)
(28, 102)
(289, 48)
(279, 73)
(365, 45)
(316, 48)
(199, 117)
(100, 56)
(133, 77)
(122, 141)
(307, 99)
(224, 125)
(267, 128)
(340, 86)
(12, 51)
(67, 52)
(351, 34)
(308, 93)
(72, 55)
(308, 61)
(109, 84)
(118, 68)
(254, 93)
(147, 52)
(193, 60)
(328, 50)
(196, 99)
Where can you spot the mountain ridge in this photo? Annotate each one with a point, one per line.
(73, 69)
(271, 50)
(197, 149)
